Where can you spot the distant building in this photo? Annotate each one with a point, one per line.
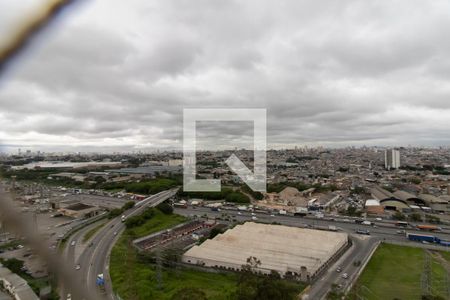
(289, 251)
(16, 285)
(80, 210)
(373, 207)
(392, 159)
(175, 162)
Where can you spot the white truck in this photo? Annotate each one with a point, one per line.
(282, 212)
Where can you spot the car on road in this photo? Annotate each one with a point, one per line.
(401, 232)
(254, 218)
(73, 243)
(115, 232)
(69, 297)
(345, 275)
(379, 219)
(239, 213)
(362, 231)
(272, 215)
(338, 270)
(77, 267)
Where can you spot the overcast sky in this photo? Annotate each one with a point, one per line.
(116, 75)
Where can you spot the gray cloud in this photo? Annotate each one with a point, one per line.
(117, 75)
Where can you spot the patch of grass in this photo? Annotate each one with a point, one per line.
(159, 222)
(446, 255)
(12, 244)
(394, 272)
(93, 231)
(133, 279)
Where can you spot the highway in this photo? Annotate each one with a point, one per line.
(94, 259)
(362, 245)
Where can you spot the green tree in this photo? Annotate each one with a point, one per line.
(237, 197)
(255, 287)
(399, 216)
(353, 212)
(14, 265)
(215, 231)
(165, 208)
(432, 219)
(114, 213)
(415, 180)
(128, 205)
(415, 217)
(432, 297)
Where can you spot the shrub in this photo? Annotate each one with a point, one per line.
(165, 208)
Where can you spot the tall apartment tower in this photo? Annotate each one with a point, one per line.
(392, 159)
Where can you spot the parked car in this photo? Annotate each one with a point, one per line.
(345, 275)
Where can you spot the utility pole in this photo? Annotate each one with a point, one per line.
(159, 277)
(426, 275)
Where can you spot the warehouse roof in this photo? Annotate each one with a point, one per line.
(279, 248)
(405, 196)
(381, 194)
(372, 202)
(429, 199)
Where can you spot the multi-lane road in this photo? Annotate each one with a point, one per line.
(94, 259)
(362, 245)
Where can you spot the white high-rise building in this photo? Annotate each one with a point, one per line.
(392, 159)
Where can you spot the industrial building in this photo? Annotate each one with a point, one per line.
(437, 204)
(80, 210)
(388, 200)
(150, 170)
(15, 285)
(373, 207)
(287, 250)
(409, 198)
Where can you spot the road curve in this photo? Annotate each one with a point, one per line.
(94, 260)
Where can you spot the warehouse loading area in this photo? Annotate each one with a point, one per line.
(297, 252)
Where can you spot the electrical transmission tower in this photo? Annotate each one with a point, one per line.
(159, 276)
(426, 275)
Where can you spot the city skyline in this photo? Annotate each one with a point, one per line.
(106, 78)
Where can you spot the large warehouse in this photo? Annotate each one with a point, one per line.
(301, 252)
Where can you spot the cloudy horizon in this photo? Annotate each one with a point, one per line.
(116, 76)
